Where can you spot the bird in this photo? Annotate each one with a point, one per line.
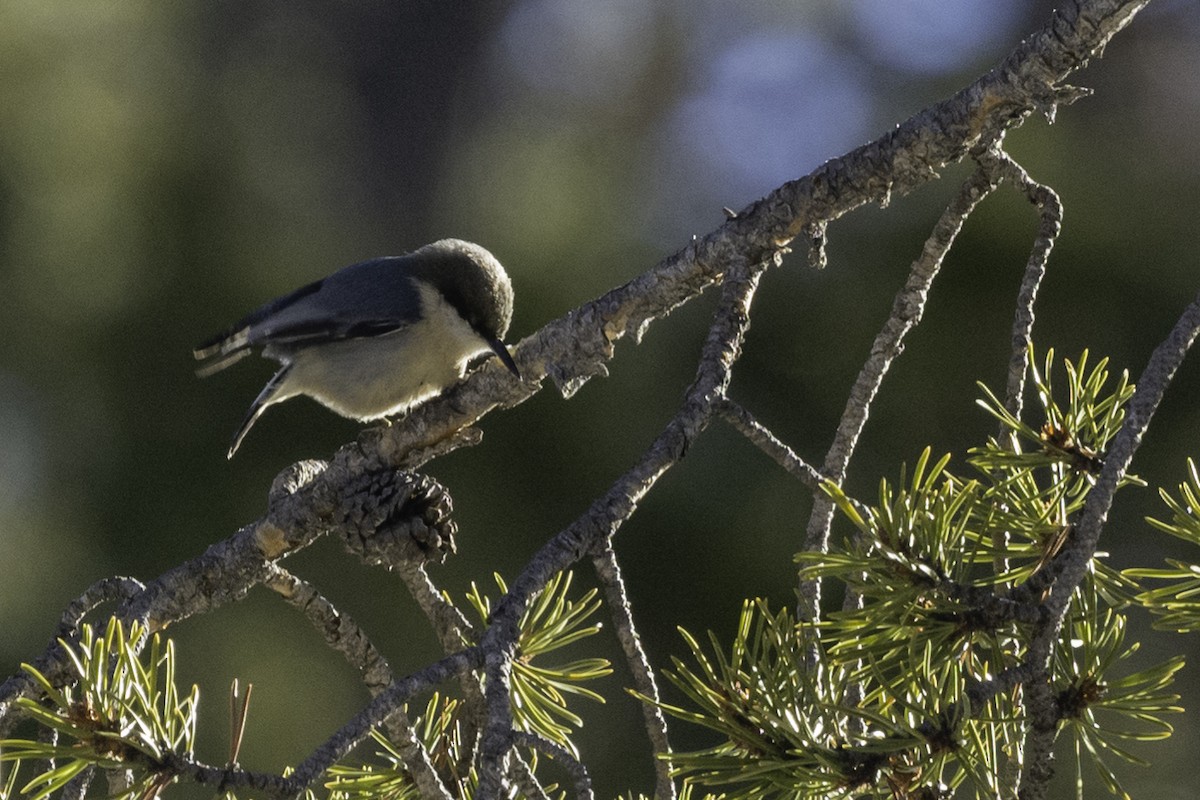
(376, 338)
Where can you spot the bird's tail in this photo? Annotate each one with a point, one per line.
(265, 398)
(225, 349)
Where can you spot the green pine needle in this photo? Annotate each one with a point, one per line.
(121, 711)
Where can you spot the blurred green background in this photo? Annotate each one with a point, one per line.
(165, 167)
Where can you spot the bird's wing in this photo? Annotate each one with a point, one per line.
(366, 299)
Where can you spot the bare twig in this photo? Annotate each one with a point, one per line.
(907, 310)
(223, 779)
(761, 437)
(344, 635)
(379, 711)
(1000, 165)
(576, 769)
(593, 530)
(340, 631)
(102, 591)
(453, 629)
(609, 572)
(525, 781)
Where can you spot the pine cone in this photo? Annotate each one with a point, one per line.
(392, 517)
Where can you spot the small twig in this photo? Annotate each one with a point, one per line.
(523, 779)
(761, 437)
(817, 236)
(345, 636)
(765, 440)
(402, 734)
(721, 350)
(1150, 387)
(907, 310)
(227, 778)
(979, 692)
(1000, 165)
(340, 632)
(102, 591)
(576, 769)
(989, 609)
(453, 629)
(379, 711)
(609, 573)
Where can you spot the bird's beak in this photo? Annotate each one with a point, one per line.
(500, 350)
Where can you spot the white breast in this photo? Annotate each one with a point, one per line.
(377, 376)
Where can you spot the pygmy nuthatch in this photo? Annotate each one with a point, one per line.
(378, 337)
